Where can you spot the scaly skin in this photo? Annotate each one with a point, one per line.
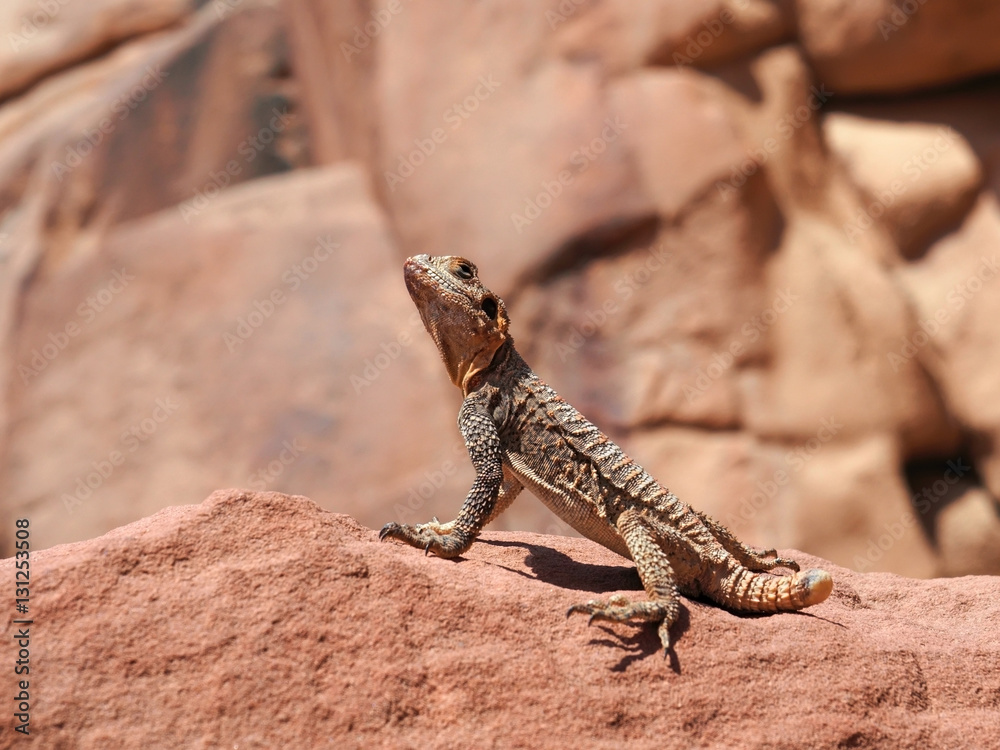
(520, 433)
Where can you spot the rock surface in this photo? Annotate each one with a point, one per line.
(898, 45)
(43, 38)
(923, 178)
(683, 204)
(258, 620)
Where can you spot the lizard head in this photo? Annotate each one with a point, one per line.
(466, 320)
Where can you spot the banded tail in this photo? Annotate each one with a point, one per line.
(747, 591)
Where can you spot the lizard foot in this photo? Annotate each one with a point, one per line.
(759, 561)
(619, 608)
(441, 539)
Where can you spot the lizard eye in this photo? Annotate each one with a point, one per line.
(463, 271)
(489, 306)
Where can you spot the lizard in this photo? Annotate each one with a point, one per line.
(520, 433)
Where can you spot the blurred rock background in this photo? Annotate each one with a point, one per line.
(756, 241)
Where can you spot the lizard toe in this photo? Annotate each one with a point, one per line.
(784, 562)
(664, 632)
(618, 609)
(391, 530)
(585, 608)
(428, 538)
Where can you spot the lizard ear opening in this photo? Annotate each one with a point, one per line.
(489, 306)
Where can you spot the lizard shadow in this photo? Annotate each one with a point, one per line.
(644, 642)
(551, 566)
(783, 613)
(554, 567)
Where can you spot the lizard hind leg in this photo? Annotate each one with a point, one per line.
(757, 561)
(657, 577)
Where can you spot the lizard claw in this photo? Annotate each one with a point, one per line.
(428, 538)
(390, 529)
(585, 608)
(620, 609)
(664, 632)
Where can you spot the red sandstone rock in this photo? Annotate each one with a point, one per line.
(922, 177)
(260, 620)
(669, 32)
(724, 163)
(42, 38)
(898, 45)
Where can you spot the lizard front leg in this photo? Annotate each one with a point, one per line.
(482, 440)
(509, 489)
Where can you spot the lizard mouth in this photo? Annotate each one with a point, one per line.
(426, 283)
(414, 271)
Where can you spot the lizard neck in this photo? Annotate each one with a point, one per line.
(505, 362)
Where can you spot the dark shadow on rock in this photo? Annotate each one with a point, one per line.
(784, 613)
(559, 569)
(644, 642)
